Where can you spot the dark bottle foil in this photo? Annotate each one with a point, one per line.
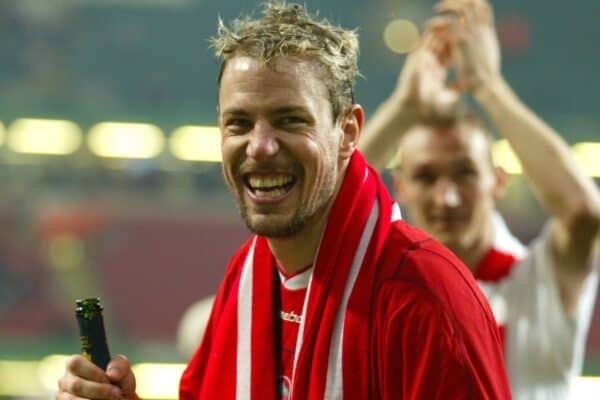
(91, 331)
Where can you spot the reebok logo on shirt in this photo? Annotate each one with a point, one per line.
(291, 317)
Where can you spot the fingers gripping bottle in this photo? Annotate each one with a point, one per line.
(91, 331)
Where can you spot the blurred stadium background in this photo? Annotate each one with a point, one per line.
(109, 166)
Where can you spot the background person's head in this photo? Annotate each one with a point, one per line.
(446, 179)
(286, 112)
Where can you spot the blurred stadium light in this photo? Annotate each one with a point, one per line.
(504, 157)
(588, 154)
(19, 378)
(125, 140)
(158, 381)
(1, 133)
(401, 36)
(196, 143)
(44, 136)
(48, 370)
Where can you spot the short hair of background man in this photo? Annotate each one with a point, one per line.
(461, 117)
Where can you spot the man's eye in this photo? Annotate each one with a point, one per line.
(291, 120)
(465, 174)
(425, 178)
(238, 124)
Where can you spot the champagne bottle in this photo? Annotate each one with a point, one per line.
(91, 331)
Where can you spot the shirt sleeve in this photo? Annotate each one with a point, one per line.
(424, 354)
(544, 347)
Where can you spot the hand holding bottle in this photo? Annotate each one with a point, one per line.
(94, 374)
(83, 379)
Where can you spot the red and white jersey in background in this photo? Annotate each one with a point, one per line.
(543, 347)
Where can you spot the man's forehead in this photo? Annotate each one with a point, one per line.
(282, 64)
(248, 83)
(463, 134)
(242, 64)
(425, 141)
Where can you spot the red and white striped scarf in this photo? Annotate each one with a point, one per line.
(332, 352)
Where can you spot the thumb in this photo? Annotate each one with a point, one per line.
(119, 372)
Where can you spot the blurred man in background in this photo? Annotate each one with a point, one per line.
(543, 295)
(334, 296)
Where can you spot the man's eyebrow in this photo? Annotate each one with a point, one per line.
(288, 110)
(274, 111)
(423, 166)
(235, 111)
(464, 162)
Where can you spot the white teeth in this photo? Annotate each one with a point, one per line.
(259, 182)
(270, 193)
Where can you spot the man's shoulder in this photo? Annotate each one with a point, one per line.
(414, 261)
(418, 253)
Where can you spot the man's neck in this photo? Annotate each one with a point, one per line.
(295, 253)
(470, 256)
(471, 251)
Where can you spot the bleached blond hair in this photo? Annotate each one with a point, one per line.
(288, 30)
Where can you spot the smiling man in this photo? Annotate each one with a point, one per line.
(334, 296)
(280, 196)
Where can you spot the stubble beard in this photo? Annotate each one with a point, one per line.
(285, 229)
(302, 216)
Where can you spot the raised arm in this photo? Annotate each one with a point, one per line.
(419, 92)
(557, 180)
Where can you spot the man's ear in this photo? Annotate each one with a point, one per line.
(501, 180)
(351, 126)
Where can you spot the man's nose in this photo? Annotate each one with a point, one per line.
(263, 142)
(446, 193)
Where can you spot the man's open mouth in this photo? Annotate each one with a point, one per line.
(272, 185)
